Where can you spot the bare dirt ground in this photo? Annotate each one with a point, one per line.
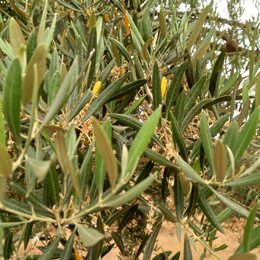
(168, 241)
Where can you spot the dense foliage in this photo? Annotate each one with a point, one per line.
(118, 115)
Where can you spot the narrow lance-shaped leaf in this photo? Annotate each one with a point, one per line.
(220, 161)
(122, 49)
(63, 93)
(197, 28)
(50, 250)
(135, 124)
(38, 59)
(187, 248)
(66, 252)
(178, 198)
(42, 23)
(177, 136)
(230, 203)
(130, 194)
(193, 94)
(243, 256)
(216, 72)
(206, 139)
(156, 83)
(162, 21)
(188, 170)
(89, 236)
(104, 97)
(65, 162)
(249, 228)
(142, 139)
(16, 36)
(151, 242)
(106, 152)
(173, 91)
(2, 126)
(252, 179)
(12, 98)
(208, 211)
(246, 134)
(5, 170)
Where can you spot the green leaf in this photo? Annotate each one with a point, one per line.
(38, 60)
(8, 245)
(122, 49)
(5, 170)
(16, 36)
(220, 161)
(187, 249)
(12, 98)
(134, 29)
(42, 24)
(177, 137)
(142, 139)
(215, 76)
(202, 49)
(214, 130)
(193, 94)
(255, 241)
(53, 186)
(130, 194)
(80, 105)
(106, 151)
(208, 211)
(104, 97)
(134, 105)
(188, 170)
(12, 224)
(63, 93)
(54, 86)
(67, 251)
(27, 233)
(156, 86)
(135, 124)
(119, 241)
(243, 256)
(2, 126)
(229, 84)
(167, 213)
(50, 249)
(246, 134)
(162, 22)
(252, 179)
(249, 228)
(230, 203)
(39, 168)
(206, 139)
(129, 88)
(197, 28)
(159, 158)
(92, 47)
(65, 162)
(173, 91)
(89, 236)
(178, 198)
(230, 137)
(151, 242)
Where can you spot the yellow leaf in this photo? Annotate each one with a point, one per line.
(127, 26)
(96, 88)
(163, 86)
(77, 256)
